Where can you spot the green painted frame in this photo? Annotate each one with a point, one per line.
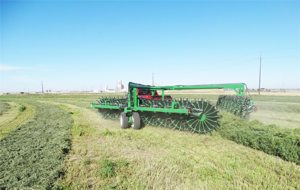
(133, 100)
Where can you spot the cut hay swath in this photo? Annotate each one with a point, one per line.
(32, 156)
(284, 143)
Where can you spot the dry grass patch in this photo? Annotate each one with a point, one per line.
(158, 158)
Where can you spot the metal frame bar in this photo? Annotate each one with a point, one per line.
(239, 88)
(162, 110)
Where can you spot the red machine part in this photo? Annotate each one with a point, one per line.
(146, 94)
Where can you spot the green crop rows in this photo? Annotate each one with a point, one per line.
(32, 156)
(284, 143)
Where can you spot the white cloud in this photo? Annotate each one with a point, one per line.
(5, 68)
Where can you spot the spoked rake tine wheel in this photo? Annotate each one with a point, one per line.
(205, 117)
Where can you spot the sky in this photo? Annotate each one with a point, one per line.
(86, 45)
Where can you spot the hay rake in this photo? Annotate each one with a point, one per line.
(144, 106)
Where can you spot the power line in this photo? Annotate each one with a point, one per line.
(259, 75)
(42, 88)
(152, 79)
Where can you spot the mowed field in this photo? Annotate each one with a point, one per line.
(59, 142)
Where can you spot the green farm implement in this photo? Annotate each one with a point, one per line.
(147, 104)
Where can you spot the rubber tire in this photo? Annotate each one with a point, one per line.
(136, 120)
(123, 120)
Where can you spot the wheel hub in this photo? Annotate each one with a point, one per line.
(203, 117)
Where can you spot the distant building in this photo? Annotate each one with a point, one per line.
(109, 90)
(97, 91)
(119, 88)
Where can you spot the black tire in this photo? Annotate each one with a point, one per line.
(136, 120)
(123, 121)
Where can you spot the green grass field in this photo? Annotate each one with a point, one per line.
(69, 146)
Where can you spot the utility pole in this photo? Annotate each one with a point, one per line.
(259, 75)
(152, 79)
(42, 88)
